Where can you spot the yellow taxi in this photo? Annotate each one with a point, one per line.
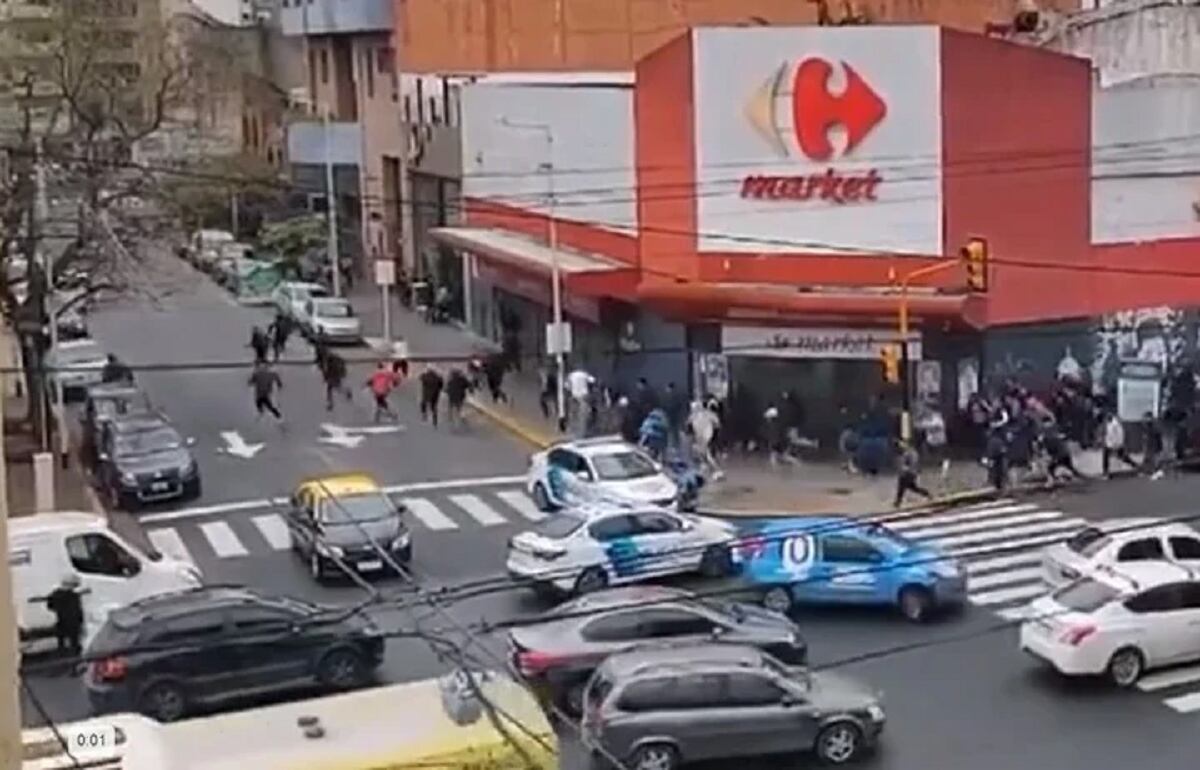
(347, 522)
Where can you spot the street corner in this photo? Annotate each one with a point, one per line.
(524, 428)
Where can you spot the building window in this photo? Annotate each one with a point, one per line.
(323, 59)
(369, 71)
(420, 101)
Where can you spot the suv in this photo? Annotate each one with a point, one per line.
(143, 459)
(657, 708)
(164, 655)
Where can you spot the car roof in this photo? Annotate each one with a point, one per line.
(613, 598)
(136, 423)
(1130, 525)
(82, 342)
(341, 485)
(55, 520)
(804, 524)
(302, 285)
(114, 390)
(683, 657)
(1145, 574)
(184, 602)
(595, 445)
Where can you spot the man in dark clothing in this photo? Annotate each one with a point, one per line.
(644, 401)
(67, 607)
(630, 424)
(457, 386)
(431, 394)
(115, 370)
(259, 343)
(548, 397)
(265, 380)
(1154, 447)
(997, 457)
(675, 403)
(494, 369)
(280, 331)
(908, 468)
(333, 372)
(1058, 454)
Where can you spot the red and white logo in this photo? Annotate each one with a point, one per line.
(796, 115)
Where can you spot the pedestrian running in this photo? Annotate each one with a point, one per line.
(431, 393)
(381, 383)
(264, 381)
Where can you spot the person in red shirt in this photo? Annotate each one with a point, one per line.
(382, 383)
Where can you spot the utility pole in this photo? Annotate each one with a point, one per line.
(331, 206)
(906, 431)
(234, 215)
(43, 215)
(11, 749)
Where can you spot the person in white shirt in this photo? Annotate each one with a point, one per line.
(1114, 444)
(579, 386)
(704, 422)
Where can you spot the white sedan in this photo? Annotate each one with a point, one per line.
(330, 319)
(289, 297)
(1118, 622)
(76, 364)
(585, 550)
(597, 469)
(1116, 542)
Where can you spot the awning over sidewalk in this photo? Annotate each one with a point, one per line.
(583, 272)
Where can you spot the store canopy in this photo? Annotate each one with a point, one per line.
(583, 272)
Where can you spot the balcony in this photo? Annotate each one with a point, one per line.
(335, 17)
(307, 143)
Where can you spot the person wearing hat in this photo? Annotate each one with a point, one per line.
(67, 606)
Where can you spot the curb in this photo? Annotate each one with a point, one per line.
(530, 435)
(955, 498)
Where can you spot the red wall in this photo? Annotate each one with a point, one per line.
(1133, 275)
(1016, 170)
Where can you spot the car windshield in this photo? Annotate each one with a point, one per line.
(559, 525)
(354, 509)
(621, 466)
(1085, 595)
(77, 353)
(1089, 542)
(144, 442)
(333, 309)
(890, 537)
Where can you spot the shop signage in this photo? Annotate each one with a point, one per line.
(820, 342)
(1139, 390)
(814, 111)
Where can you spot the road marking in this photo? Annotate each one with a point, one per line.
(222, 539)
(429, 514)
(981, 526)
(1006, 595)
(169, 543)
(1185, 704)
(1016, 614)
(987, 504)
(996, 534)
(951, 518)
(274, 530)
(1002, 562)
(1025, 544)
(1161, 680)
(479, 510)
(519, 501)
(1006, 578)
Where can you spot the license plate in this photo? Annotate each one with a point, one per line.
(160, 486)
(370, 565)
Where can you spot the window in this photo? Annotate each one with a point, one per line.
(842, 549)
(260, 620)
(1191, 595)
(323, 59)
(368, 73)
(684, 692)
(1085, 595)
(195, 627)
(656, 523)
(568, 461)
(96, 554)
(1185, 547)
(623, 466)
(752, 690)
(559, 525)
(618, 627)
(1089, 542)
(1165, 598)
(666, 623)
(612, 528)
(1146, 549)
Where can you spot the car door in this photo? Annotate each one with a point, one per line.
(798, 565)
(691, 708)
(195, 649)
(1185, 549)
(661, 539)
(849, 569)
(107, 573)
(1142, 549)
(675, 624)
(764, 719)
(615, 537)
(269, 648)
(1164, 623)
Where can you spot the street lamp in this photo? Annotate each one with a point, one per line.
(555, 273)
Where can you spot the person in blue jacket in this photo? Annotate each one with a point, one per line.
(653, 433)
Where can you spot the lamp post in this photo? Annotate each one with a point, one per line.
(903, 323)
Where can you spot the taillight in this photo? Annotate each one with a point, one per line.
(531, 663)
(1076, 635)
(110, 669)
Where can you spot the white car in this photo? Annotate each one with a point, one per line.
(585, 550)
(597, 468)
(76, 364)
(1116, 542)
(289, 297)
(330, 319)
(1120, 622)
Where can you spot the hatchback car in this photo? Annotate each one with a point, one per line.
(330, 319)
(659, 708)
(75, 365)
(1116, 542)
(289, 297)
(347, 520)
(1120, 622)
(166, 655)
(561, 651)
(143, 459)
(103, 403)
(584, 550)
(597, 468)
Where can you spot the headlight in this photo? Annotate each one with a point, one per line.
(401, 541)
(948, 569)
(328, 550)
(128, 478)
(876, 713)
(189, 468)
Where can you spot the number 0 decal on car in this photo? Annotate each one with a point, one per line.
(797, 555)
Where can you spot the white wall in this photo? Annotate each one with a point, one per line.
(745, 106)
(593, 155)
(1146, 160)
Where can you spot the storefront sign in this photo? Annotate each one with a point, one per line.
(538, 290)
(1139, 390)
(821, 342)
(831, 187)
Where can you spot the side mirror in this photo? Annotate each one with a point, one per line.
(718, 631)
(189, 441)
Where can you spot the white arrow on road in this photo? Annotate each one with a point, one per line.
(335, 434)
(236, 445)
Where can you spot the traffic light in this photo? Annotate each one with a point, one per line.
(975, 259)
(889, 356)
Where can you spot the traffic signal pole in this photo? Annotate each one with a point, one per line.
(906, 392)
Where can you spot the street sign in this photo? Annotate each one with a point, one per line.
(560, 341)
(385, 272)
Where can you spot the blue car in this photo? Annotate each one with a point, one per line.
(839, 560)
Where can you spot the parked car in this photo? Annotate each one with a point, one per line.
(1116, 542)
(72, 323)
(75, 365)
(205, 246)
(657, 709)
(840, 560)
(166, 655)
(143, 459)
(597, 468)
(347, 518)
(330, 319)
(289, 297)
(103, 403)
(559, 653)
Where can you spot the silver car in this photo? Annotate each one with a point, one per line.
(657, 708)
(330, 319)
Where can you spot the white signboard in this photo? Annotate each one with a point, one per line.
(818, 139)
(817, 342)
(1139, 390)
(558, 341)
(385, 272)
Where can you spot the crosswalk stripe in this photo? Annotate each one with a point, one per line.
(1161, 680)
(478, 509)
(1006, 578)
(1002, 562)
(1007, 532)
(274, 530)
(1007, 595)
(429, 514)
(1027, 545)
(1184, 704)
(223, 540)
(1015, 614)
(520, 502)
(169, 543)
(951, 518)
(981, 526)
(998, 503)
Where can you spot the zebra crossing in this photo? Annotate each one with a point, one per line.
(242, 536)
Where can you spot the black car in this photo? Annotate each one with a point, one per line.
(559, 654)
(168, 654)
(103, 403)
(348, 522)
(143, 459)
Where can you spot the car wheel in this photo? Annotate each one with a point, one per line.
(916, 603)
(342, 670)
(654, 756)
(1125, 667)
(541, 499)
(716, 562)
(163, 701)
(778, 599)
(592, 579)
(314, 567)
(838, 743)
